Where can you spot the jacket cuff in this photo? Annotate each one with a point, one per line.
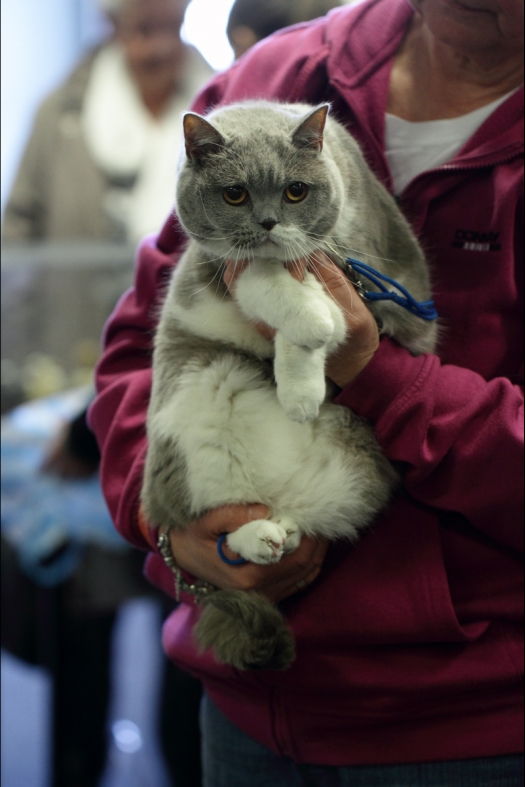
(389, 377)
(156, 570)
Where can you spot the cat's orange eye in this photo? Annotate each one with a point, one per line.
(296, 192)
(235, 195)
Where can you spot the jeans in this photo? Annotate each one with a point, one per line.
(233, 759)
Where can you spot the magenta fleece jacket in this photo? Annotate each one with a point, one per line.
(410, 643)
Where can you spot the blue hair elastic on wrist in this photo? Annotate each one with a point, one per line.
(423, 309)
(240, 561)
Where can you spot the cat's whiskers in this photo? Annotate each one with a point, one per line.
(241, 255)
(196, 292)
(197, 236)
(291, 258)
(301, 245)
(238, 250)
(329, 246)
(226, 256)
(295, 251)
(296, 266)
(213, 259)
(360, 252)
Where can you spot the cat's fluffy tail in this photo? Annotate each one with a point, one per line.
(245, 630)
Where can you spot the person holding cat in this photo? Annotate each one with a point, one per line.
(408, 642)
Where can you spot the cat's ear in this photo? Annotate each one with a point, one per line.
(200, 136)
(309, 132)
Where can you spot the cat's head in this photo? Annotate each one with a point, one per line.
(254, 182)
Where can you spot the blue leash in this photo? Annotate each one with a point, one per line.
(423, 309)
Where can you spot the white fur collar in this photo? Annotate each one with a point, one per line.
(123, 139)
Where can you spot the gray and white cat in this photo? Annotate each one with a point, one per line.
(235, 417)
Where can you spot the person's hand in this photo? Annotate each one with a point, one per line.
(195, 551)
(362, 339)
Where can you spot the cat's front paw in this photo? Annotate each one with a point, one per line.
(260, 541)
(301, 400)
(312, 329)
(293, 534)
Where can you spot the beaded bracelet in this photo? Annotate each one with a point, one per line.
(199, 589)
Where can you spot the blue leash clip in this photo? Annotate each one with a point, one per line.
(220, 541)
(423, 309)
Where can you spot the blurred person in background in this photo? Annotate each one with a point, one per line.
(100, 161)
(252, 20)
(100, 165)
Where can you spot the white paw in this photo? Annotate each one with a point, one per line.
(301, 401)
(293, 535)
(260, 541)
(313, 328)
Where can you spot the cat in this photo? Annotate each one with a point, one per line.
(235, 417)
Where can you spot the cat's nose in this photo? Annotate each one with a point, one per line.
(268, 225)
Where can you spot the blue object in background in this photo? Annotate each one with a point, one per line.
(49, 520)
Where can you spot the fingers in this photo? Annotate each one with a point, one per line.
(195, 550)
(323, 267)
(232, 271)
(294, 572)
(342, 290)
(299, 570)
(234, 268)
(362, 339)
(297, 268)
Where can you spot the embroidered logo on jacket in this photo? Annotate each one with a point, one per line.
(472, 240)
